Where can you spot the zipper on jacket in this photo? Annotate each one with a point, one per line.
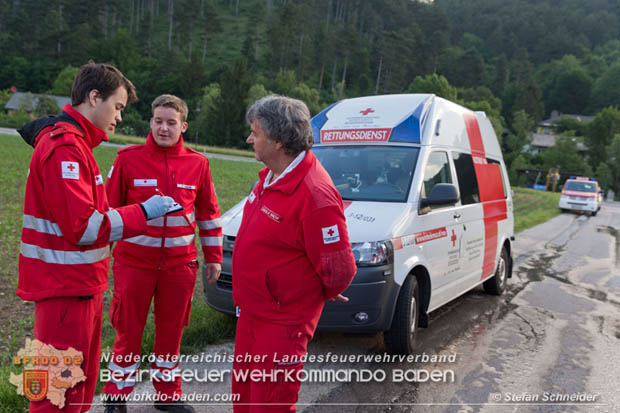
(163, 234)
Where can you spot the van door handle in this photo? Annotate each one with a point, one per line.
(457, 215)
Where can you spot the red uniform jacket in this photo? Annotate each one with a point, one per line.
(183, 174)
(292, 251)
(67, 224)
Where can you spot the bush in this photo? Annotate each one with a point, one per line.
(17, 119)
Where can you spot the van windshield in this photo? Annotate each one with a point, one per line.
(583, 186)
(369, 173)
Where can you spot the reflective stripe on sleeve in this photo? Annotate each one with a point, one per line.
(116, 225)
(64, 257)
(173, 221)
(211, 241)
(147, 241)
(92, 230)
(214, 223)
(41, 225)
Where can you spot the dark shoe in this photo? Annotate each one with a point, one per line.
(115, 406)
(174, 407)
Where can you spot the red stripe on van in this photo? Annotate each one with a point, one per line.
(473, 133)
(491, 190)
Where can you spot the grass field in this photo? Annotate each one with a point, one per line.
(232, 181)
(533, 207)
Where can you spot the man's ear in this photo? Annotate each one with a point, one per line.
(92, 97)
(183, 127)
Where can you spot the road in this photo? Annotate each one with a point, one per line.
(550, 344)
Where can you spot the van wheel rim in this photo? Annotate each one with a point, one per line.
(412, 316)
(501, 272)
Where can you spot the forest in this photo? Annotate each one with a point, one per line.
(517, 60)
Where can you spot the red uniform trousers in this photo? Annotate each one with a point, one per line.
(271, 344)
(134, 288)
(65, 322)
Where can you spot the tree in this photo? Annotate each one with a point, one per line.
(613, 162)
(309, 96)
(529, 99)
(514, 143)
(434, 83)
(471, 67)
(603, 176)
(564, 155)
(229, 123)
(64, 81)
(565, 84)
(207, 113)
(45, 105)
(606, 91)
(256, 92)
(601, 132)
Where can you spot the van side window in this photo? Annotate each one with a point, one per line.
(437, 172)
(465, 173)
(495, 162)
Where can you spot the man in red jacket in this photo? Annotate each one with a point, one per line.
(68, 225)
(292, 253)
(161, 264)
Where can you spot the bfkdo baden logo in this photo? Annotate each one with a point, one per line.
(35, 384)
(48, 372)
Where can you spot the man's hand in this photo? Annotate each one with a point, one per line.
(213, 272)
(156, 206)
(340, 298)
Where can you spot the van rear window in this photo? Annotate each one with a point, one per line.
(369, 173)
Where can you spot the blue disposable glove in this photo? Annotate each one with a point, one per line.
(156, 206)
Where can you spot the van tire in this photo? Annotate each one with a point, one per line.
(400, 338)
(497, 284)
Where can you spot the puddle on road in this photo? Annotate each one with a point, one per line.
(540, 267)
(551, 296)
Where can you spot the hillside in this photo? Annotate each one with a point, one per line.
(517, 60)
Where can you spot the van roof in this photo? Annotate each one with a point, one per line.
(382, 118)
(423, 119)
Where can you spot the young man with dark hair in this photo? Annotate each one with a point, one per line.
(68, 225)
(161, 264)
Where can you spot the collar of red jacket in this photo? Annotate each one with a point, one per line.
(291, 180)
(151, 144)
(91, 134)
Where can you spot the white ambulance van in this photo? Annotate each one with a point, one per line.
(428, 207)
(581, 194)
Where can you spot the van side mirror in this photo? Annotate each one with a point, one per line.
(441, 194)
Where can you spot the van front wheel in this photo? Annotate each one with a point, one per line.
(400, 338)
(497, 284)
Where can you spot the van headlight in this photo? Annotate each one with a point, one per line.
(373, 252)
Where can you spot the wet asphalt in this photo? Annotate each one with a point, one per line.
(551, 343)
